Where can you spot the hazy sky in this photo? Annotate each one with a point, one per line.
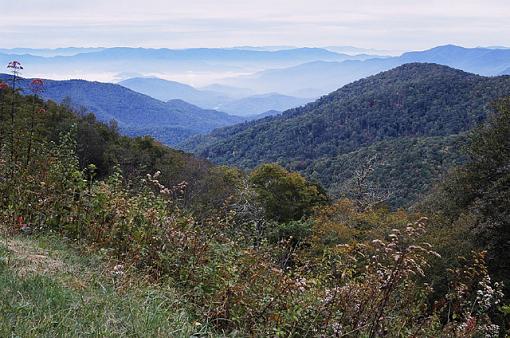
(383, 24)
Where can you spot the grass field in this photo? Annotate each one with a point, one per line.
(49, 289)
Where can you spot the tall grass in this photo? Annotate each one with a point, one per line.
(81, 298)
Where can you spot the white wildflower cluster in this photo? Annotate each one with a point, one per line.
(490, 330)
(410, 259)
(154, 180)
(330, 295)
(118, 270)
(337, 328)
(301, 284)
(488, 294)
(176, 190)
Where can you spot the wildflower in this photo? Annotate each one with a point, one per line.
(301, 284)
(330, 294)
(15, 65)
(118, 270)
(491, 330)
(337, 328)
(24, 228)
(378, 241)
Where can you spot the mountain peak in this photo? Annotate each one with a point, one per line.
(422, 106)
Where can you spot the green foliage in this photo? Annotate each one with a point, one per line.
(50, 290)
(404, 112)
(273, 260)
(136, 114)
(295, 231)
(286, 196)
(476, 196)
(103, 146)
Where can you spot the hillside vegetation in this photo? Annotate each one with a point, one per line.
(135, 114)
(49, 288)
(178, 246)
(411, 118)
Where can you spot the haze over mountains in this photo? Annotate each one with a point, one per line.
(302, 72)
(199, 66)
(193, 91)
(320, 77)
(230, 100)
(135, 113)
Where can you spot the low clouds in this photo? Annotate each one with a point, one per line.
(390, 24)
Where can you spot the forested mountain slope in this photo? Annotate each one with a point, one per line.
(109, 151)
(413, 115)
(135, 113)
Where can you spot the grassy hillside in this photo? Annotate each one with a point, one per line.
(411, 101)
(48, 288)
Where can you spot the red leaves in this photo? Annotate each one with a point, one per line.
(20, 221)
(3, 86)
(37, 82)
(36, 86)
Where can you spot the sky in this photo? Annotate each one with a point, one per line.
(381, 24)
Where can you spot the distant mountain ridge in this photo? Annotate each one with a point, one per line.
(321, 77)
(50, 52)
(146, 61)
(260, 104)
(135, 113)
(412, 117)
(299, 72)
(165, 90)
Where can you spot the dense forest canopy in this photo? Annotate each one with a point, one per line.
(476, 196)
(413, 117)
(136, 114)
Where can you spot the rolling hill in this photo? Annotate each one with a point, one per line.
(135, 113)
(413, 118)
(251, 105)
(165, 90)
